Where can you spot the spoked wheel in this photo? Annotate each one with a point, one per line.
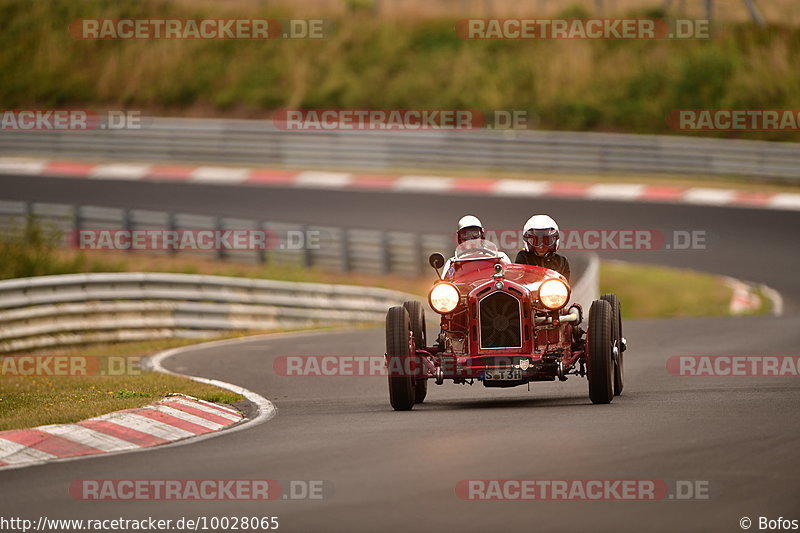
(398, 352)
(599, 359)
(616, 327)
(416, 316)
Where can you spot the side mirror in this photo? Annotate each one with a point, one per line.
(436, 260)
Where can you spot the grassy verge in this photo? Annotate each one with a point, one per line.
(28, 401)
(416, 64)
(648, 291)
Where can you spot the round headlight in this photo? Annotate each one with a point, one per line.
(444, 297)
(553, 293)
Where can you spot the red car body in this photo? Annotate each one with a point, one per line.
(496, 328)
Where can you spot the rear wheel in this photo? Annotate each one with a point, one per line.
(616, 314)
(398, 352)
(416, 316)
(600, 366)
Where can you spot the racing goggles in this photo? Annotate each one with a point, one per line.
(467, 234)
(541, 237)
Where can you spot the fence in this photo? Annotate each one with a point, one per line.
(259, 142)
(50, 311)
(328, 248)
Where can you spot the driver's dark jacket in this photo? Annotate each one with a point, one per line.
(556, 262)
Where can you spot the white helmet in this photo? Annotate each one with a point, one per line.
(469, 227)
(540, 235)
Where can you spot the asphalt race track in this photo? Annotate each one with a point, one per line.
(391, 471)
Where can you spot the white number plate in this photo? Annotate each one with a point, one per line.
(510, 374)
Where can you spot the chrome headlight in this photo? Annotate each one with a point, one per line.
(444, 297)
(553, 294)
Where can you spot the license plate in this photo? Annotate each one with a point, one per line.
(510, 374)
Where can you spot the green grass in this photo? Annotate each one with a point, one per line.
(647, 291)
(35, 401)
(27, 401)
(32, 250)
(372, 62)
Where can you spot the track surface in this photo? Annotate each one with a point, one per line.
(397, 471)
(390, 470)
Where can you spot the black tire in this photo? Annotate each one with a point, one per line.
(619, 366)
(401, 385)
(416, 315)
(599, 363)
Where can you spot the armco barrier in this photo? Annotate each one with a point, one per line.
(50, 311)
(259, 142)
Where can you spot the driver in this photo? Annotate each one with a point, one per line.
(540, 235)
(469, 228)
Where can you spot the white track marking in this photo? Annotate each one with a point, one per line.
(412, 183)
(88, 437)
(217, 406)
(152, 427)
(785, 201)
(210, 410)
(14, 165)
(188, 417)
(521, 188)
(13, 453)
(120, 172)
(422, 184)
(323, 180)
(743, 299)
(699, 195)
(616, 191)
(775, 298)
(219, 175)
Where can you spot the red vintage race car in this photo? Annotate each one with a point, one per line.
(504, 325)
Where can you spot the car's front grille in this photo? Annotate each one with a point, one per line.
(500, 324)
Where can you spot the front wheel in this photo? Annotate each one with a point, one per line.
(416, 317)
(616, 327)
(599, 359)
(398, 352)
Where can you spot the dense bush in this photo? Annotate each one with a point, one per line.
(382, 63)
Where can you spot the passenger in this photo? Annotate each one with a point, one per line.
(540, 236)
